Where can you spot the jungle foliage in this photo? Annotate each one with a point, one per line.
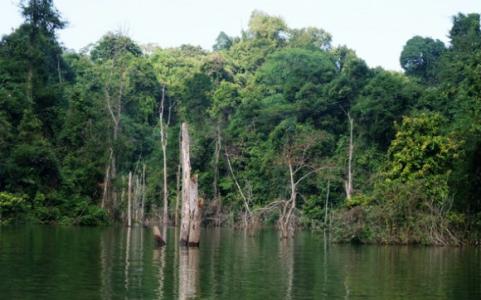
(66, 117)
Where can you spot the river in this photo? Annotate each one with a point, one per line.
(47, 262)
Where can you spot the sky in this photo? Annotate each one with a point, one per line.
(375, 29)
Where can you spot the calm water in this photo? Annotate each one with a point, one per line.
(116, 263)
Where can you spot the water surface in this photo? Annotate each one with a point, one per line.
(42, 262)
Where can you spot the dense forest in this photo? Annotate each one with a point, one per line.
(286, 129)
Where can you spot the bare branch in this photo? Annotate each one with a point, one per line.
(237, 183)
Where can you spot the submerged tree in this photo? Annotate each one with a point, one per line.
(299, 150)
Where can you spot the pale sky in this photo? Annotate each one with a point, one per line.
(375, 29)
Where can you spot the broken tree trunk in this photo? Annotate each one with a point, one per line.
(195, 214)
(185, 220)
(158, 237)
(189, 231)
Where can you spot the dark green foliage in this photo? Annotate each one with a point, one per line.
(113, 45)
(382, 102)
(420, 57)
(271, 98)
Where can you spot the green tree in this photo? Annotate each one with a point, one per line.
(420, 57)
(222, 42)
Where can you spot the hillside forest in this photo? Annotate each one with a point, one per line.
(286, 130)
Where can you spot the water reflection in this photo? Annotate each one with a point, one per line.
(118, 263)
(286, 256)
(188, 273)
(159, 259)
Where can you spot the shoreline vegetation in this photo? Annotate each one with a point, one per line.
(284, 128)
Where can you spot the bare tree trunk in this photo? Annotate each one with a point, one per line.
(113, 176)
(289, 206)
(191, 205)
(106, 182)
(115, 111)
(215, 183)
(186, 180)
(129, 201)
(138, 195)
(163, 140)
(327, 202)
(122, 196)
(143, 186)
(177, 195)
(195, 213)
(244, 198)
(165, 194)
(348, 183)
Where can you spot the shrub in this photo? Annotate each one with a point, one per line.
(12, 207)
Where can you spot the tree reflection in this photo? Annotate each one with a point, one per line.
(286, 255)
(188, 273)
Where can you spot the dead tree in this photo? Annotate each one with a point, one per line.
(245, 200)
(297, 155)
(348, 181)
(191, 204)
(113, 98)
(215, 183)
(164, 126)
(178, 183)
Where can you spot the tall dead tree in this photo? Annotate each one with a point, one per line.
(302, 162)
(164, 126)
(348, 181)
(178, 182)
(113, 98)
(215, 183)
(191, 204)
